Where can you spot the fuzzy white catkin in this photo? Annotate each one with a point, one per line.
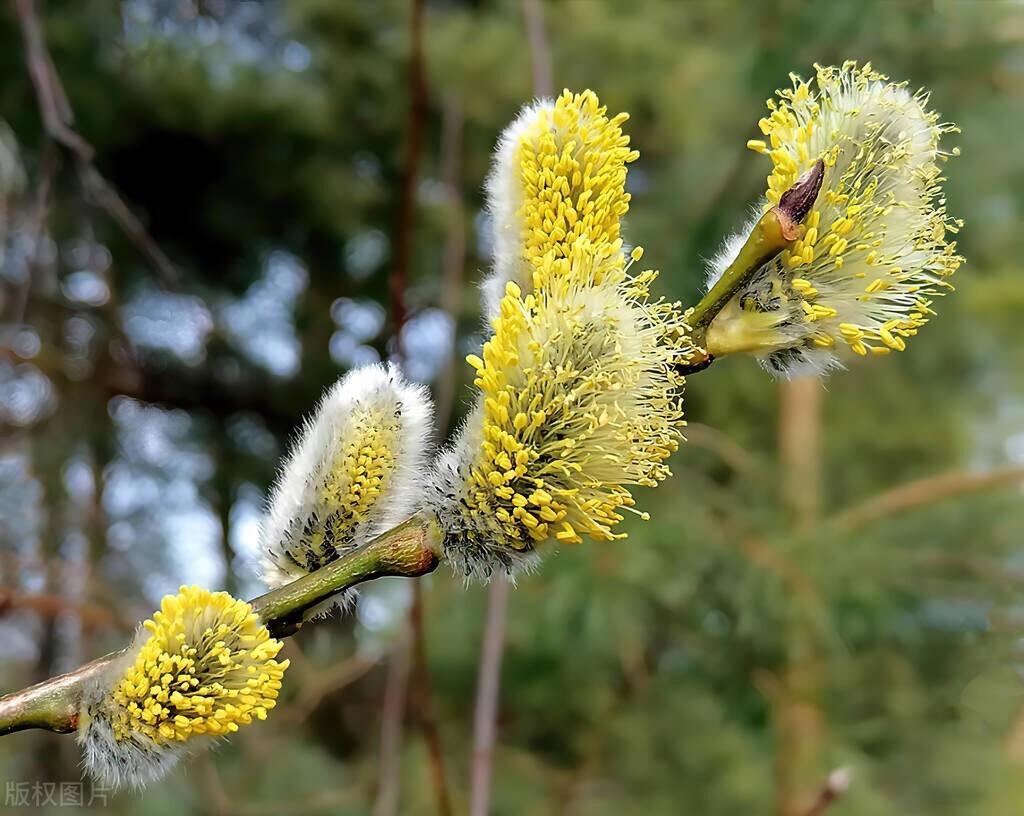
(353, 473)
(504, 198)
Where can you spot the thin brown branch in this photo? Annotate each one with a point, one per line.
(52, 606)
(921, 493)
(220, 803)
(58, 122)
(540, 49)
(486, 709)
(398, 282)
(796, 707)
(424, 704)
(800, 405)
(723, 446)
(327, 681)
(391, 718)
(405, 226)
(110, 201)
(454, 253)
(53, 103)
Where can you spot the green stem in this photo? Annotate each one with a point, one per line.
(410, 549)
(777, 230)
(766, 240)
(53, 704)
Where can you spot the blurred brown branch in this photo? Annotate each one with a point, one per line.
(797, 710)
(921, 493)
(454, 254)
(52, 606)
(58, 122)
(723, 446)
(323, 681)
(398, 282)
(485, 713)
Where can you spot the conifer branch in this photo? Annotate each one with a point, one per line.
(922, 492)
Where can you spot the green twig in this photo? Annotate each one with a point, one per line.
(776, 231)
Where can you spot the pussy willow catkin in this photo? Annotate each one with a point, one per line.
(876, 250)
(353, 474)
(202, 666)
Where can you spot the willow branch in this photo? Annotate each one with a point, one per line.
(777, 230)
(410, 549)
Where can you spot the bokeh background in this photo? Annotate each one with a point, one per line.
(832, 579)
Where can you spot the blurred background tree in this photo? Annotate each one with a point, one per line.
(833, 578)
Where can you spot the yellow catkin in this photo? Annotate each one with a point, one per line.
(207, 667)
(877, 237)
(580, 401)
(572, 169)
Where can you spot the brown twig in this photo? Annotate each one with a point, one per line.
(454, 253)
(327, 681)
(485, 719)
(398, 279)
(392, 713)
(800, 403)
(920, 493)
(540, 49)
(209, 778)
(58, 122)
(52, 606)
(108, 199)
(424, 704)
(723, 446)
(53, 102)
(797, 713)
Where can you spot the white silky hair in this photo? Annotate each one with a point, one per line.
(716, 265)
(294, 498)
(132, 761)
(504, 198)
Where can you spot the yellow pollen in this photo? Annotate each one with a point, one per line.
(207, 667)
